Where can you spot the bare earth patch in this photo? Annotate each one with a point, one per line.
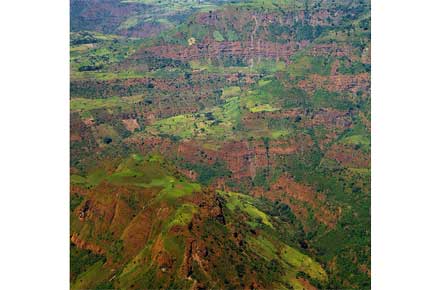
(131, 124)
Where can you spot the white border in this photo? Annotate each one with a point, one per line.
(34, 145)
(405, 144)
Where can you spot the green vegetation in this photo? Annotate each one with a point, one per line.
(94, 274)
(231, 91)
(243, 203)
(323, 98)
(207, 173)
(218, 36)
(81, 260)
(81, 104)
(301, 261)
(263, 108)
(358, 140)
(183, 215)
(303, 65)
(174, 190)
(91, 180)
(201, 163)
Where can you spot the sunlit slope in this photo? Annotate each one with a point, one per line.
(142, 225)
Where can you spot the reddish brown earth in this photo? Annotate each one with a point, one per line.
(131, 124)
(348, 156)
(243, 158)
(333, 49)
(214, 49)
(295, 164)
(86, 245)
(299, 197)
(336, 83)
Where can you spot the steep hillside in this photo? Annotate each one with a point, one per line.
(220, 144)
(144, 226)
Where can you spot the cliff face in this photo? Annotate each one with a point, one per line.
(214, 49)
(242, 158)
(337, 83)
(303, 200)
